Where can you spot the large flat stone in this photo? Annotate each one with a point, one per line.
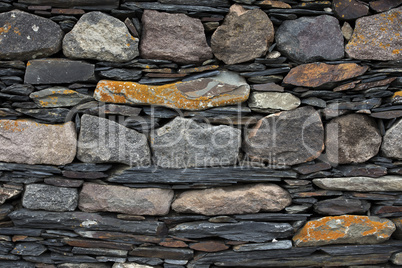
(233, 200)
(243, 36)
(48, 71)
(58, 97)
(341, 206)
(52, 198)
(361, 184)
(309, 39)
(24, 36)
(392, 144)
(24, 141)
(286, 138)
(107, 4)
(99, 36)
(184, 143)
(102, 140)
(377, 37)
(348, 229)
(228, 88)
(269, 102)
(175, 37)
(350, 9)
(146, 201)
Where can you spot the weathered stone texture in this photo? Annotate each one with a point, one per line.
(361, 184)
(58, 97)
(350, 9)
(392, 144)
(269, 102)
(24, 141)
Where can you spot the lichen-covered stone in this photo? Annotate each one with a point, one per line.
(317, 74)
(225, 89)
(348, 229)
(233, 200)
(377, 37)
(24, 36)
(175, 37)
(102, 37)
(361, 184)
(58, 97)
(309, 39)
(24, 141)
(269, 102)
(102, 140)
(349, 9)
(392, 144)
(111, 198)
(243, 36)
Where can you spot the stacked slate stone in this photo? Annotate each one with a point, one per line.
(183, 133)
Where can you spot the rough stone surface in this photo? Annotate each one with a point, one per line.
(371, 40)
(102, 37)
(243, 36)
(352, 138)
(341, 205)
(347, 229)
(398, 224)
(184, 143)
(24, 141)
(268, 102)
(175, 37)
(300, 129)
(384, 5)
(309, 39)
(225, 89)
(209, 246)
(349, 10)
(233, 200)
(58, 97)
(130, 265)
(47, 71)
(47, 197)
(392, 144)
(282, 244)
(24, 36)
(317, 74)
(397, 258)
(146, 201)
(361, 184)
(102, 140)
(8, 191)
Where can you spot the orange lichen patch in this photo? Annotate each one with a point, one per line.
(397, 94)
(13, 125)
(343, 229)
(17, 31)
(5, 29)
(396, 51)
(317, 74)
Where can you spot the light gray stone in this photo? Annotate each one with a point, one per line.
(361, 184)
(270, 102)
(8, 191)
(58, 97)
(28, 142)
(102, 140)
(51, 198)
(282, 244)
(392, 144)
(397, 258)
(101, 37)
(185, 143)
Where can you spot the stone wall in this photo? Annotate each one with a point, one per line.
(184, 133)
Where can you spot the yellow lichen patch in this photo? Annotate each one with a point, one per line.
(13, 125)
(397, 94)
(396, 51)
(5, 29)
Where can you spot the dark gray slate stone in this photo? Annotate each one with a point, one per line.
(25, 36)
(241, 231)
(58, 97)
(99, 251)
(90, 4)
(58, 71)
(286, 138)
(282, 244)
(175, 37)
(163, 253)
(103, 140)
(19, 264)
(392, 144)
(55, 115)
(46, 197)
(100, 37)
(172, 8)
(309, 39)
(18, 89)
(82, 220)
(341, 206)
(184, 143)
(28, 249)
(121, 74)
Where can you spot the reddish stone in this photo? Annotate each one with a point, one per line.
(171, 243)
(198, 69)
(307, 169)
(209, 246)
(346, 86)
(364, 86)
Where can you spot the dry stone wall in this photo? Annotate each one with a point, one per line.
(182, 133)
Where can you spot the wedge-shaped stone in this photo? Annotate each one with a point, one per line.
(317, 74)
(102, 140)
(233, 200)
(8, 191)
(392, 145)
(348, 229)
(24, 141)
(58, 97)
(144, 201)
(228, 88)
(361, 184)
(24, 36)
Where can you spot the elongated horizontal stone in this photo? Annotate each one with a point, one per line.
(146, 201)
(58, 97)
(24, 141)
(348, 229)
(227, 88)
(361, 184)
(283, 244)
(233, 200)
(109, 4)
(268, 102)
(317, 74)
(163, 253)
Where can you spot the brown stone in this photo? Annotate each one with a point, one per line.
(377, 37)
(348, 229)
(24, 141)
(317, 74)
(346, 86)
(273, 4)
(233, 200)
(364, 86)
(8, 191)
(209, 246)
(317, 193)
(62, 182)
(349, 9)
(384, 5)
(173, 244)
(175, 37)
(225, 89)
(243, 36)
(198, 69)
(307, 169)
(143, 201)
